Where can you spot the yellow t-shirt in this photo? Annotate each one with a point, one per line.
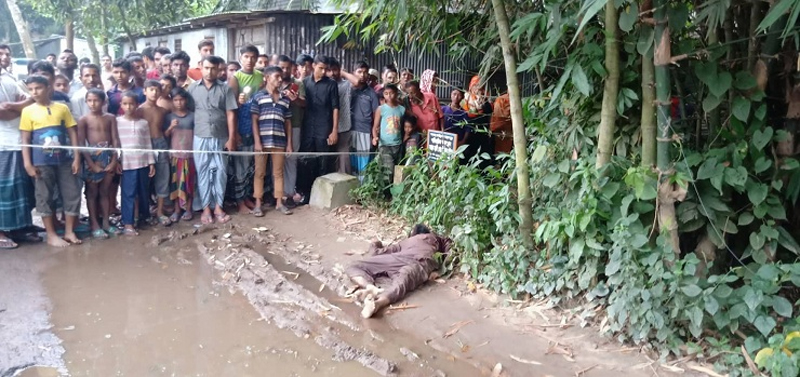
(48, 127)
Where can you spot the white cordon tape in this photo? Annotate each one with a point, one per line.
(157, 151)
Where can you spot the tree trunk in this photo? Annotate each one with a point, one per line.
(104, 34)
(69, 33)
(93, 48)
(648, 121)
(668, 193)
(22, 29)
(752, 47)
(713, 116)
(608, 113)
(520, 140)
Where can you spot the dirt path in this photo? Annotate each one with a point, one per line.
(266, 295)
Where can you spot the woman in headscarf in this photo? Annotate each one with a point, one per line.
(479, 109)
(427, 82)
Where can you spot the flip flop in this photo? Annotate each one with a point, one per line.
(223, 219)
(7, 244)
(100, 234)
(187, 216)
(129, 232)
(283, 210)
(175, 217)
(164, 221)
(206, 219)
(27, 237)
(114, 231)
(257, 212)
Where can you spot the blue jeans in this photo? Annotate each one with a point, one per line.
(135, 186)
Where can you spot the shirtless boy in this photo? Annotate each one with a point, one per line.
(167, 84)
(154, 115)
(99, 129)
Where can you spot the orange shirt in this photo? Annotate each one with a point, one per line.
(195, 74)
(501, 123)
(429, 113)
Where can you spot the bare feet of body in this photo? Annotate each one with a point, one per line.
(72, 238)
(56, 241)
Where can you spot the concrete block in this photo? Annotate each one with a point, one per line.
(332, 190)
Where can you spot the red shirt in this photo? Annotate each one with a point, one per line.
(429, 114)
(195, 74)
(153, 74)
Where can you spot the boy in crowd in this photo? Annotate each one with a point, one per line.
(271, 123)
(206, 48)
(61, 84)
(157, 69)
(154, 115)
(320, 124)
(99, 129)
(293, 89)
(215, 130)
(232, 67)
(47, 123)
(46, 70)
(345, 121)
(167, 86)
(180, 66)
(244, 84)
(121, 71)
(106, 76)
(51, 58)
(387, 129)
(149, 60)
(262, 61)
(304, 66)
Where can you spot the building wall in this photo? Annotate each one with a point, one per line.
(186, 41)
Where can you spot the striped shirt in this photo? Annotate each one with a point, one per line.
(272, 117)
(135, 134)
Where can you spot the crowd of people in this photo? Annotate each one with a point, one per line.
(174, 138)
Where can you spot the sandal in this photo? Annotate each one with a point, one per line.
(283, 210)
(7, 244)
(175, 217)
(129, 232)
(114, 231)
(223, 219)
(257, 212)
(164, 221)
(27, 237)
(187, 216)
(206, 219)
(99, 234)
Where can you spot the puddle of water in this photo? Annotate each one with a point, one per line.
(124, 308)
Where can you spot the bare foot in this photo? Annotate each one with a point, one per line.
(244, 209)
(72, 238)
(57, 242)
(249, 203)
(369, 307)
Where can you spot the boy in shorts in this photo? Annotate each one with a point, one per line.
(48, 123)
(99, 129)
(155, 118)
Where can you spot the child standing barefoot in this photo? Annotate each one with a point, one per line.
(48, 123)
(181, 133)
(137, 166)
(154, 115)
(98, 129)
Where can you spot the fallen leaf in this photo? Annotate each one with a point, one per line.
(471, 287)
(705, 370)
(524, 361)
(456, 326)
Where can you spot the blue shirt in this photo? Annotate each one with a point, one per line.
(115, 98)
(272, 117)
(391, 126)
(455, 121)
(363, 104)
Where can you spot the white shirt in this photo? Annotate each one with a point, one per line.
(78, 104)
(10, 91)
(75, 85)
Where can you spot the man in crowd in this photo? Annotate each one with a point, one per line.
(156, 70)
(105, 75)
(67, 65)
(409, 263)
(364, 103)
(296, 92)
(166, 65)
(215, 130)
(180, 69)
(16, 197)
(89, 75)
(304, 63)
(138, 69)
(343, 142)
(320, 131)
(244, 84)
(121, 70)
(51, 58)
(206, 48)
(149, 60)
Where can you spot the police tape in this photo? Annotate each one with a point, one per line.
(121, 151)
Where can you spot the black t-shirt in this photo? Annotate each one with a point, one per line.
(321, 98)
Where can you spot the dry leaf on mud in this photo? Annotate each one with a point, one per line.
(524, 361)
(455, 328)
(705, 370)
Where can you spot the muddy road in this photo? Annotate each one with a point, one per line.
(264, 297)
